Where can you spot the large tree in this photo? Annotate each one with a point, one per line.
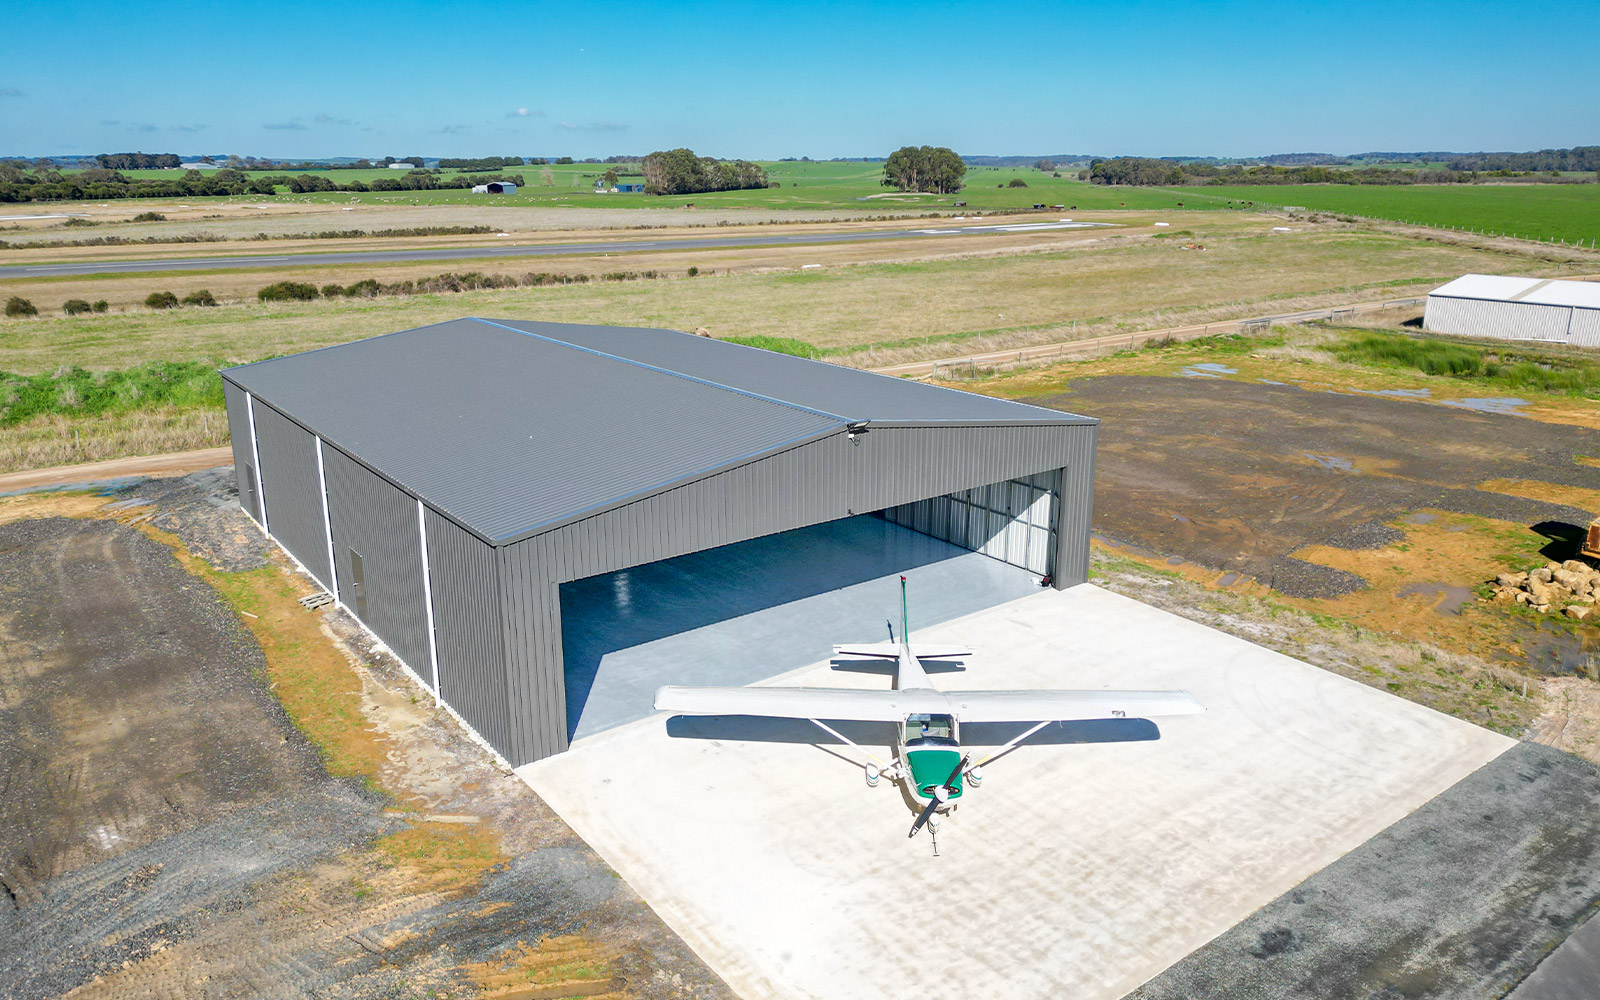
(924, 168)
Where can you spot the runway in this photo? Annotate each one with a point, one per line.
(257, 261)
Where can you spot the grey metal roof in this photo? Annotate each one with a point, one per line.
(850, 393)
(509, 427)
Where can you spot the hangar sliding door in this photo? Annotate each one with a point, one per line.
(1012, 521)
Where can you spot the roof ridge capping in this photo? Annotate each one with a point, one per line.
(667, 371)
(1047, 415)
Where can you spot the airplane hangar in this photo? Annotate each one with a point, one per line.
(460, 488)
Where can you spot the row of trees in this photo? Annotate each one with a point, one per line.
(137, 161)
(924, 168)
(1576, 158)
(48, 184)
(1142, 172)
(680, 171)
(481, 164)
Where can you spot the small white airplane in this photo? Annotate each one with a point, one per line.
(930, 763)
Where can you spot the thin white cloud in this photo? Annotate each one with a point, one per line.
(451, 129)
(593, 127)
(331, 120)
(145, 127)
(11, 92)
(524, 113)
(284, 126)
(189, 128)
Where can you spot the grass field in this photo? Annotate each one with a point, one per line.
(1539, 211)
(866, 313)
(1568, 212)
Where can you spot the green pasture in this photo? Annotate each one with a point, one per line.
(1568, 212)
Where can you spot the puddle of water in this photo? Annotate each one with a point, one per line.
(1174, 560)
(1505, 405)
(1451, 597)
(1207, 369)
(1180, 517)
(1420, 517)
(1552, 648)
(1228, 580)
(1398, 393)
(1269, 381)
(1332, 462)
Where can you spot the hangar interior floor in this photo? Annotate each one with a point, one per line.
(752, 610)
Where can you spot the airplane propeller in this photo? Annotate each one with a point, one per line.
(937, 799)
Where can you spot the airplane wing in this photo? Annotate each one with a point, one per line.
(1068, 706)
(801, 703)
(893, 706)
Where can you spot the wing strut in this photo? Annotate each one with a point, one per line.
(840, 736)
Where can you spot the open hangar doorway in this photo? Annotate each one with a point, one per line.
(757, 609)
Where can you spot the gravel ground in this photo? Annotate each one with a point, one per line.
(165, 832)
(1458, 901)
(1237, 476)
(1371, 535)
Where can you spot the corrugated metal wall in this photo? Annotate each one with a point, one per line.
(1584, 330)
(239, 437)
(380, 522)
(808, 484)
(536, 681)
(1497, 320)
(293, 495)
(1076, 511)
(465, 578)
(1013, 521)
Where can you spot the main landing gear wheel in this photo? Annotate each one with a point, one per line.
(872, 775)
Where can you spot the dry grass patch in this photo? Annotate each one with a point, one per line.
(1088, 284)
(1533, 489)
(569, 965)
(57, 440)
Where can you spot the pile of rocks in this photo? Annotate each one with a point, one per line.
(1571, 588)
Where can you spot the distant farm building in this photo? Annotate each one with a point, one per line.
(1506, 308)
(495, 187)
(402, 166)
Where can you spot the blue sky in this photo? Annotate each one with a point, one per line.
(819, 79)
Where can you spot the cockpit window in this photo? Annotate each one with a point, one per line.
(921, 730)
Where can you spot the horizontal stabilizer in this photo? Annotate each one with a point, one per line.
(891, 651)
(886, 650)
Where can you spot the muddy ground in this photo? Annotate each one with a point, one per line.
(166, 831)
(1237, 476)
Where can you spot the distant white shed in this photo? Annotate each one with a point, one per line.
(495, 187)
(402, 166)
(1506, 308)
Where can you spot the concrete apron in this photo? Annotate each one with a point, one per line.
(1079, 868)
